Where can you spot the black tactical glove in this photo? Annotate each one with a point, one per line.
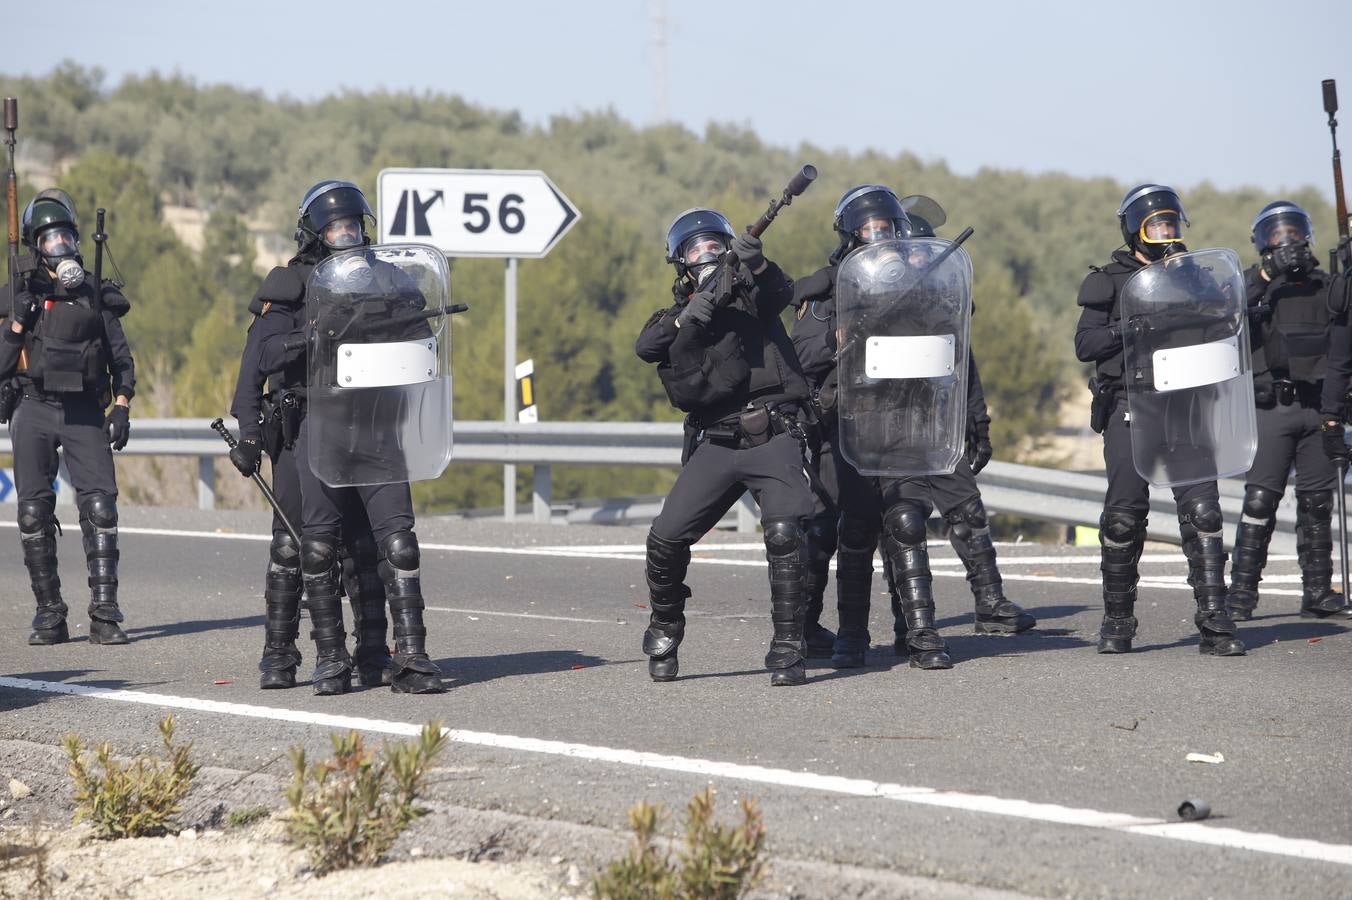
(118, 426)
(749, 250)
(978, 446)
(699, 310)
(1269, 266)
(25, 309)
(1293, 259)
(1335, 445)
(246, 455)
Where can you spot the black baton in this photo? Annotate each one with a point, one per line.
(218, 426)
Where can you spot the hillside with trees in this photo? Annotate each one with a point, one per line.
(244, 160)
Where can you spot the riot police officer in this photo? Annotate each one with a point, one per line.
(725, 359)
(269, 422)
(1289, 322)
(891, 508)
(333, 217)
(67, 354)
(1151, 217)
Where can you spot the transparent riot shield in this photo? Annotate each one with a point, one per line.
(904, 312)
(379, 356)
(1187, 369)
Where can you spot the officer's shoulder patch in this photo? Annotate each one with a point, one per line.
(282, 285)
(1096, 289)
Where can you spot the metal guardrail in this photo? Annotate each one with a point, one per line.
(1053, 495)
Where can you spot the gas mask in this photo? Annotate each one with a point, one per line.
(352, 272)
(60, 249)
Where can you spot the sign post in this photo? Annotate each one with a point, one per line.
(508, 214)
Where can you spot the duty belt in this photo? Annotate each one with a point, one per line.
(753, 426)
(1287, 392)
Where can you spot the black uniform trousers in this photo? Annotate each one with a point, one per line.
(1291, 433)
(945, 492)
(389, 507)
(855, 495)
(75, 424)
(716, 475)
(287, 489)
(1127, 490)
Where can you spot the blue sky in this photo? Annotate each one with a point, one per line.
(1180, 92)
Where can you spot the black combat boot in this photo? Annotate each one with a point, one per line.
(821, 543)
(37, 533)
(1314, 549)
(970, 534)
(784, 553)
(904, 545)
(1199, 524)
(281, 627)
(854, 581)
(333, 665)
(1256, 522)
(98, 523)
(366, 595)
(1121, 539)
(667, 563)
(414, 671)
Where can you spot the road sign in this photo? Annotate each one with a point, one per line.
(527, 412)
(473, 212)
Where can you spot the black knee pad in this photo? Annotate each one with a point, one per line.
(101, 511)
(667, 554)
(783, 536)
(362, 550)
(400, 550)
(905, 523)
(317, 555)
(1122, 526)
(821, 535)
(857, 533)
(284, 552)
(1261, 503)
(1318, 504)
(35, 516)
(967, 518)
(1203, 514)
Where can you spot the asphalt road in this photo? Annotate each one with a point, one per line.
(1034, 765)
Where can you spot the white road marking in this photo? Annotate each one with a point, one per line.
(521, 615)
(583, 551)
(1161, 829)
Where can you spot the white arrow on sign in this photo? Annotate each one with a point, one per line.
(473, 212)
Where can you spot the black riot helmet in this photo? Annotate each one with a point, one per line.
(50, 228)
(868, 213)
(1280, 223)
(1152, 220)
(696, 239)
(925, 215)
(338, 207)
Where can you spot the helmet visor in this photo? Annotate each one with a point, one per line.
(703, 248)
(1163, 226)
(343, 233)
(58, 242)
(1283, 228)
(876, 229)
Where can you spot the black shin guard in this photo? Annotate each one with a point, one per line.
(1121, 539)
(1256, 523)
(414, 671)
(1314, 549)
(904, 546)
(854, 582)
(281, 600)
(894, 596)
(667, 563)
(333, 666)
(98, 525)
(37, 534)
(784, 553)
(366, 595)
(1199, 524)
(821, 544)
(970, 534)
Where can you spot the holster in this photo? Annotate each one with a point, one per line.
(1104, 399)
(9, 399)
(292, 408)
(272, 428)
